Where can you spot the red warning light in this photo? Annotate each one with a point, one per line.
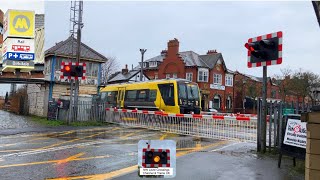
(250, 48)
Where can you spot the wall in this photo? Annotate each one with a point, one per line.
(36, 99)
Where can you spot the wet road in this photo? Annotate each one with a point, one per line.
(31, 151)
(96, 152)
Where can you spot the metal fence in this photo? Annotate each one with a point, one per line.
(208, 126)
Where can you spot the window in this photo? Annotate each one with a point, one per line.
(175, 75)
(229, 103)
(110, 96)
(167, 93)
(189, 76)
(144, 65)
(273, 94)
(203, 75)
(152, 95)
(153, 64)
(229, 80)
(142, 95)
(156, 76)
(216, 102)
(167, 76)
(131, 95)
(217, 79)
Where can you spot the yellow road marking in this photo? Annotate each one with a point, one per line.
(163, 136)
(41, 138)
(130, 134)
(70, 158)
(130, 169)
(77, 139)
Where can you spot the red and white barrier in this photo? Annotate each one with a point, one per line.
(200, 116)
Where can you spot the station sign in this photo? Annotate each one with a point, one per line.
(18, 45)
(19, 23)
(24, 66)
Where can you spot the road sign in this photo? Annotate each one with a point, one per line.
(18, 56)
(287, 111)
(18, 23)
(74, 71)
(265, 50)
(18, 45)
(157, 158)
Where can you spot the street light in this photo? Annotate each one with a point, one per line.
(141, 66)
(244, 81)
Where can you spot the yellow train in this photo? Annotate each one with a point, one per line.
(169, 95)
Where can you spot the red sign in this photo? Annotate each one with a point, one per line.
(21, 48)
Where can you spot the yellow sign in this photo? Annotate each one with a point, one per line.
(19, 24)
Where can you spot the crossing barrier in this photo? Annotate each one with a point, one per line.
(207, 126)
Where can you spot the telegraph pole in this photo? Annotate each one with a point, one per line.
(141, 68)
(76, 11)
(80, 25)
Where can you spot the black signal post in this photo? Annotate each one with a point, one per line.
(264, 51)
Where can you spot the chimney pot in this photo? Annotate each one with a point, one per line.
(125, 70)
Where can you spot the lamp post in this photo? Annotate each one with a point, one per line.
(141, 66)
(244, 95)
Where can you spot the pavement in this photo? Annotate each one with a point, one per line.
(36, 152)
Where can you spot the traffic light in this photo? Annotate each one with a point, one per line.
(157, 158)
(265, 50)
(71, 70)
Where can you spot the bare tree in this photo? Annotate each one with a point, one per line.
(108, 68)
(283, 81)
(305, 84)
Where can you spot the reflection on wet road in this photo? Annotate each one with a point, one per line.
(90, 153)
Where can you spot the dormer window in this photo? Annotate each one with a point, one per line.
(153, 64)
(144, 65)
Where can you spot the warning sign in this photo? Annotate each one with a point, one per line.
(296, 133)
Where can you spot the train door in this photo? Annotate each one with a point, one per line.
(121, 94)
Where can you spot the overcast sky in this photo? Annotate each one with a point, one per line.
(120, 28)
(35, 5)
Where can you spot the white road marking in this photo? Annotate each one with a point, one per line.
(225, 147)
(51, 149)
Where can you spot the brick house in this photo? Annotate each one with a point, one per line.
(248, 88)
(209, 71)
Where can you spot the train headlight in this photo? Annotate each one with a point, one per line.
(197, 103)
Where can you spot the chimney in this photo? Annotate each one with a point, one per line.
(173, 46)
(164, 52)
(212, 51)
(131, 66)
(125, 70)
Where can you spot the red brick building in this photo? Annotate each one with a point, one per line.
(209, 71)
(221, 88)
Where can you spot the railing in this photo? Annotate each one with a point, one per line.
(208, 126)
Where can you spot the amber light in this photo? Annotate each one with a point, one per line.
(156, 159)
(67, 68)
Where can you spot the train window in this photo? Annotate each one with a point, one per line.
(182, 91)
(152, 95)
(167, 93)
(131, 95)
(142, 95)
(111, 96)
